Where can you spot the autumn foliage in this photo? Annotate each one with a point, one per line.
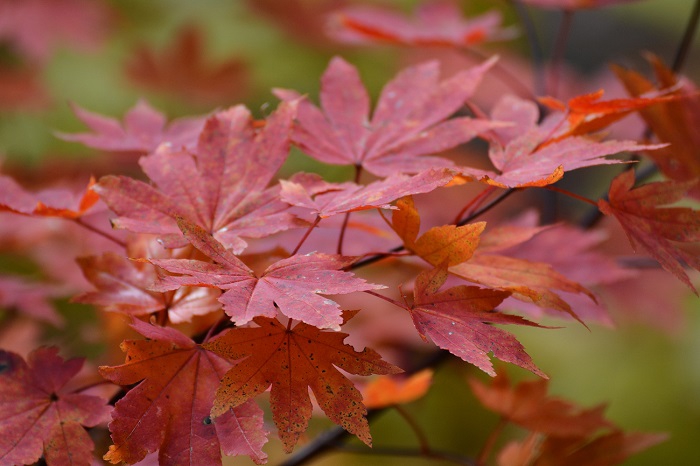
(235, 282)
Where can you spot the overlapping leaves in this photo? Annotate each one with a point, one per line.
(169, 409)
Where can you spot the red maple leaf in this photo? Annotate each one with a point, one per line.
(38, 415)
(531, 154)
(673, 122)
(293, 285)
(292, 360)
(459, 320)
(408, 122)
(328, 199)
(221, 187)
(169, 409)
(182, 70)
(46, 203)
(653, 228)
(436, 23)
(144, 129)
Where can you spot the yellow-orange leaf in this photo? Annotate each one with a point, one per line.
(386, 390)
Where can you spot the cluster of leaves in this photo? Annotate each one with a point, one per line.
(232, 275)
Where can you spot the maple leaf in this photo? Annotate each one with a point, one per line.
(461, 249)
(534, 156)
(386, 390)
(221, 186)
(30, 298)
(21, 89)
(182, 70)
(292, 360)
(122, 286)
(328, 199)
(293, 285)
(436, 23)
(408, 122)
(459, 320)
(301, 20)
(586, 113)
(169, 408)
(46, 203)
(144, 129)
(38, 415)
(528, 405)
(36, 27)
(653, 228)
(448, 244)
(673, 122)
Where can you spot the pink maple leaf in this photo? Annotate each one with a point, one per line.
(328, 199)
(409, 121)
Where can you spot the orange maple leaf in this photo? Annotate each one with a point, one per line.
(387, 391)
(292, 360)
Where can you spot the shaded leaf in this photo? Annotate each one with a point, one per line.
(221, 187)
(181, 69)
(46, 203)
(292, 360)
(528, 405)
